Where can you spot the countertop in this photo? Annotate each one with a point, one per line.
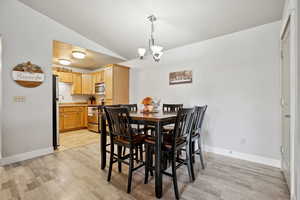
(77, 104)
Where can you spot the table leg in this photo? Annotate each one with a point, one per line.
(103, 143)
(158, 174)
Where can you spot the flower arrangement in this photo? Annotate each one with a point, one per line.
(150, 105)
(147, 101)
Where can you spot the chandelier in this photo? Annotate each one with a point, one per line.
(155, 50)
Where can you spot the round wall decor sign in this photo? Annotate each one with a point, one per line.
(28, 75)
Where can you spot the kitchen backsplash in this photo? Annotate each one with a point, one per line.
(65, 94)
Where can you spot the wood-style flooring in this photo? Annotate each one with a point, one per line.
(74, 174)
(77, 138)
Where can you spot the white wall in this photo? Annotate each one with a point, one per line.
(65, 96)
(236, 75)
(27, 36)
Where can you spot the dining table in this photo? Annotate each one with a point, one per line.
(157, 120)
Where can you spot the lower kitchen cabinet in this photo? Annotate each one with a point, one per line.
(72, 118)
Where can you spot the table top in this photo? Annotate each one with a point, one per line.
(154, 117)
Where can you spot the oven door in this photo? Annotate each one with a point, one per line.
(93, 115)
(93, 127)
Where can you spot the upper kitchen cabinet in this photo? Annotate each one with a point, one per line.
(99, 76)
(77, 83)
(65, 77)
(116, 79)
(108, 80)
(88, 86)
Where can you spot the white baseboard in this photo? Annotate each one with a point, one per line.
(244, 156)
(25, 156)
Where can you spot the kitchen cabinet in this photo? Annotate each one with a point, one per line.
(108, 80)
(65, 77)
(99, 77)
(116, 79)
(88, 86)
(77, 84)
(72, 118)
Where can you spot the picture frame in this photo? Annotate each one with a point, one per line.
(181, 77)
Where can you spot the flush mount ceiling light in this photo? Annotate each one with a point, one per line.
(155, 50)
(78, 54)
(64, 62)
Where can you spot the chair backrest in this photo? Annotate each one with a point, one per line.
(183, 124)
(130, 107)
(172, 107)
(119, 122)
(199, 112)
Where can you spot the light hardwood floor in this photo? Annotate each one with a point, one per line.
(77, 138)
(74, 174)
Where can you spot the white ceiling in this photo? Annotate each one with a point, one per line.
(121, 25)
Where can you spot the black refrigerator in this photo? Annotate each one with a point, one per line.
(55, 112)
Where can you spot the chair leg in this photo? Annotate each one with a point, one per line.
(124, 151)
(141, 153)
(200, 153)
(110, 161)
(189, 161)
(151, 152)
(175, 177)
(137, 154)
(130, 170)
(147, 164)
(119, 157)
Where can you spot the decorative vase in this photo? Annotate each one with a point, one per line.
(148, 108)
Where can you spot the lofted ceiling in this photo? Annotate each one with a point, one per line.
(121, 25)
(92, 61)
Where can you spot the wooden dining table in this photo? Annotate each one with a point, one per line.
(158, 120)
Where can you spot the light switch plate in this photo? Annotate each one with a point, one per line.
(19, 99)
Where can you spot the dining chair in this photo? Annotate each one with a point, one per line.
(123, 136)
(199, 114)
(171, 107)
(195, 136)
(137, 127)
(172, 143)
(130, 107)
(102, 111)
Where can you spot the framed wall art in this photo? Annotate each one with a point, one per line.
(181, 77)
(28, 75)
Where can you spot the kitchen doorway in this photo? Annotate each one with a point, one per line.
(78, 93)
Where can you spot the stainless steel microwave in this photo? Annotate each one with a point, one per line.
(100, 88)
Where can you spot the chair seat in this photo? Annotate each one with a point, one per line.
(137, 139)
(167, 141)
(149, 139)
